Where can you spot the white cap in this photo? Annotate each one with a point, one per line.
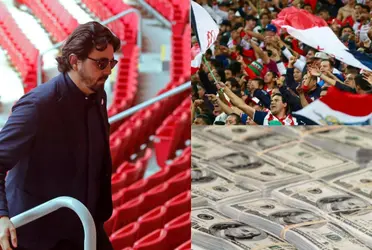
(321, 55)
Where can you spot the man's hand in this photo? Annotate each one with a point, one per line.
(240, 59)
(300, 90)
(280, 81)
(7, 230)
(292, 61)
(367, 76)
(315, 72)
(212, 98)
(220, 85)
(198, 102)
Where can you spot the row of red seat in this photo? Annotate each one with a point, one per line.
(179, 165)
(22, 53)
(180, 64)
(135, 131)
(126, 27)
(53, 16)
(164, 7)
(126, 84)
(153, 231)
(157, 196)
(173, 133)
(128, 173)
(127, 192)
(172, 10)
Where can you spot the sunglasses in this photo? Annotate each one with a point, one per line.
(103, 62)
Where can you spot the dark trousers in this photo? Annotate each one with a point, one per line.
(103, 243)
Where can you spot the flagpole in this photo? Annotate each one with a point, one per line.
(210, 70)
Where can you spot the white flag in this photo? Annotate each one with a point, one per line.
(206, 28)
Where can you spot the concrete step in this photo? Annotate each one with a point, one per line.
(150, 84)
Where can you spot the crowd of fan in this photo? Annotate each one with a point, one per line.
(262, 75)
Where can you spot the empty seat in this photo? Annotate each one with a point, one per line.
(178, 230)
(153, 241)
(128, 212)
(134, 190)
(178, 205)
(151, 221)
(155, 197)
(184, 246)
(179, 183)
(125, 237)
(110, 223)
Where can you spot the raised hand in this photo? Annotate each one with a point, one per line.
(314, 72)
(212, 97)
(367, 75)
(220, 85)
(292, 60)
(198, 102)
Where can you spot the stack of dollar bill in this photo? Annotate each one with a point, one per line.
(282, 188)
(213, 188)
(301, 227)
(213, 230)
(352, 142)
(349, 210)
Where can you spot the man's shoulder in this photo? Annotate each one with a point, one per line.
(45, 93)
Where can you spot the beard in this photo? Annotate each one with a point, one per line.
(91, 83)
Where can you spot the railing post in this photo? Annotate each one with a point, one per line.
(155, 13)
(107, 21)
(55, 204)
(140, 106)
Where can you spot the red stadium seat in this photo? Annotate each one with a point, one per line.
(184, 246)
(118, 182)
(155, 197)
(179, 183)
(125, 237)
(178, 230)
(134, 190)
(179, 165)
(117, 198)
(157, 178)
(132, 171)
(110, 223)
(153, 241)
(178, 205)
(151, 221)
(128, 212)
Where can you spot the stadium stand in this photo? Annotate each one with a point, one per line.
(21, 52)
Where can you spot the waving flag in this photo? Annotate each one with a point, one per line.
(206, 31)
(339, 107)
(314, 31)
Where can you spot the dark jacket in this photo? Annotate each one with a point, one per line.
(40, 146)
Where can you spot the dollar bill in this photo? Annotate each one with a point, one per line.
(234, 133)
(215, 187)
(262, 172)
(358, 182)
(306, 229)
(217, 231)
(265, 142)
(309, 159)
(197, 200)
(347, 136)
(349, 210)
(204, 148)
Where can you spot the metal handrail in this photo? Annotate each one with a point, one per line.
(55, 204)
(140, 106)
(109, 20)
(155, 13)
